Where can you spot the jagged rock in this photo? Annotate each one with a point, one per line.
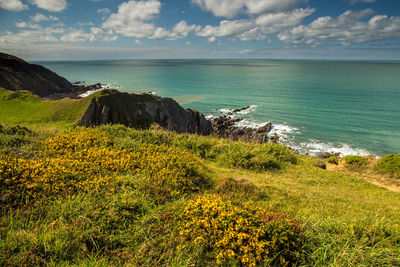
(265, 129)
(274, 138)
(142, 110)
(327, 155)
(224, 126)
(241, 109)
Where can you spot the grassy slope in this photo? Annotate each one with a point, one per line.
(23, 106)
(347, 221)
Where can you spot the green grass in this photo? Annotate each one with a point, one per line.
(389, 164)
(23, 106)
(345, 220)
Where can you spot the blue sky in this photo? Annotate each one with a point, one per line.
(118, 29)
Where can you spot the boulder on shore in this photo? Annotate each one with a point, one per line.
(224, 126)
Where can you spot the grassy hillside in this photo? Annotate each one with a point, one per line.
(114, 196)
(23, 106)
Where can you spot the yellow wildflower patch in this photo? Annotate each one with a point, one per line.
(76, 140)
(67, 168)
(248, 235)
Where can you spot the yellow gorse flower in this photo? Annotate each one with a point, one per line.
(245, 234)
(86, 160)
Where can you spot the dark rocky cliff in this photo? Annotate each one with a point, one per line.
(142, 110)
(17, 74)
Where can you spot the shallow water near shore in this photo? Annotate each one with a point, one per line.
(316, 106)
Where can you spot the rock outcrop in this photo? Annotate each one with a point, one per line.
(224, 126)
(142, 110)
(16, 74)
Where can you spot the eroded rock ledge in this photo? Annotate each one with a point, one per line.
(142, 110)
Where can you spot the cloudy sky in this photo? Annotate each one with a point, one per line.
(115, 29)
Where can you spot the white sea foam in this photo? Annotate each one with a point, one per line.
(315, 147)
(88, 93)
(287, 135)
(103, 86)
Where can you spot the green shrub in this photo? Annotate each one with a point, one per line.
(128, 137)
(254, 157)
(389, 164)
(202, 147)
(13, 140)
(355, 161)
(333, 160)
(15, 136)
(279, 152)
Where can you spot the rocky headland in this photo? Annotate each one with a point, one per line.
(17, 74)
(141, 111)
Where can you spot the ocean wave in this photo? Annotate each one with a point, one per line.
(315, 147)
(287, 135)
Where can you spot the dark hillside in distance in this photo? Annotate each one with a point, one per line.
(17, 74)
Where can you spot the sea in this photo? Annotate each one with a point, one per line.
(347, 107)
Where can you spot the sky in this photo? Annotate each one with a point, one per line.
(163, 29)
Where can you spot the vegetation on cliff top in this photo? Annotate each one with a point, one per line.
(117, 196)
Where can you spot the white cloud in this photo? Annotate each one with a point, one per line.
(349, 28)
(263, 6)
(40, 17)
(231, 8)
(272, 23)
(30, 36)
(256, 29)
(226, 28)
(12, 5)
(51, 5)
(95, 34)
(132, 20)
(103, 11)
(221, 8)
(353, 2)
(138, 42)
(182, 29)
(131, 16)
(23, 24)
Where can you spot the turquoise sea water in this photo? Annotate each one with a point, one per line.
(317, 106)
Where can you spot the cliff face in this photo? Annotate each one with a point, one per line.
(16, 74)
(142, 110)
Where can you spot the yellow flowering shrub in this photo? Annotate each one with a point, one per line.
(76, 140)
(67, 168)
(246, 235)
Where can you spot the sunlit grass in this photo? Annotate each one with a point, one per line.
(65, 216)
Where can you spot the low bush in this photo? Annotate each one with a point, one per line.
(15, 136)
(389, 164)
(355, 161)
(254, 157)
(333, 160)
(239, 235)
